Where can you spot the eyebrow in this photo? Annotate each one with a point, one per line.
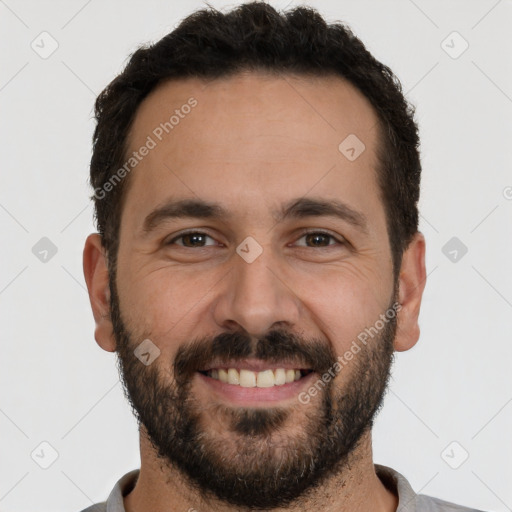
(299, 208)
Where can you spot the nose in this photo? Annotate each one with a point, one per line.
(257, 297)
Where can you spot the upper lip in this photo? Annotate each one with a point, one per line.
(255, 365)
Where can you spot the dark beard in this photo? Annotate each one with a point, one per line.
(253, 463)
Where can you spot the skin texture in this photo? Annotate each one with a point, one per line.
(252, 143)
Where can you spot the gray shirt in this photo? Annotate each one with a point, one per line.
(408, 500)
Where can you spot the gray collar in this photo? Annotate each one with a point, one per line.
(392, 479)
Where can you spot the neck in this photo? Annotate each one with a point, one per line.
(162, 488)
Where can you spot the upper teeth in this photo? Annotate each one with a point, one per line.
(250, 379)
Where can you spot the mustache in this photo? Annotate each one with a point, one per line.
(277, 346)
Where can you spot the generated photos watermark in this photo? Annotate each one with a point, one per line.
(362, 338)
(157, 135)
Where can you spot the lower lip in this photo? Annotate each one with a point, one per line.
(252, 396)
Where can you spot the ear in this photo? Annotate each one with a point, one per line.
(96, 277)
(411, 285)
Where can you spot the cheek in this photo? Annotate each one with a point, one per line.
(165, 302)
(343, 302)
(170, 304)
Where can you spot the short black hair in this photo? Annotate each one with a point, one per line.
(210, 44)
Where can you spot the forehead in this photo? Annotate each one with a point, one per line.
(276, 104)
(254, 141)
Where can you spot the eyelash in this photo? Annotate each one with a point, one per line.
(311, 232)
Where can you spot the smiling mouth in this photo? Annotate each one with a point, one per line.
(256, 379)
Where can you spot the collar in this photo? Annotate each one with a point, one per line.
(392, 479)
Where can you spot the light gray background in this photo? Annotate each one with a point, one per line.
(58, 386)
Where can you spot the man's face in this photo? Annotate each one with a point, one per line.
(250, 296)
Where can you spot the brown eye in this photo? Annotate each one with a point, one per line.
(191, 239)
(319, 239)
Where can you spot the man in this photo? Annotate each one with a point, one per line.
(256, 178)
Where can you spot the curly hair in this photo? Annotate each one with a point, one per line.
(254, 36)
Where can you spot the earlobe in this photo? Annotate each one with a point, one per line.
(411, 285)
(97, 279)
